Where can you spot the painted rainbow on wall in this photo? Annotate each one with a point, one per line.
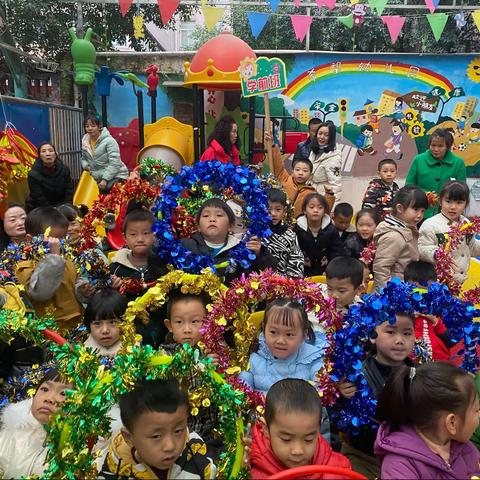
(332, 69)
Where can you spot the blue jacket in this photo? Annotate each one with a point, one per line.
(265, 369)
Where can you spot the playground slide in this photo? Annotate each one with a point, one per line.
(87, 191)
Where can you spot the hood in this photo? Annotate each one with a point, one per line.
(391, 224)
(232, 241)
(38, 166)
(103, 351)
(122, 257)
(303, 224)
(86, 139)
(322, 155)
(18, 417)
(306, 354)
(265, 463)
(406, 442)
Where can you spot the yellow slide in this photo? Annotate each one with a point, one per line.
(87, 191)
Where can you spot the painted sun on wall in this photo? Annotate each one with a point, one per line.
(386, 107)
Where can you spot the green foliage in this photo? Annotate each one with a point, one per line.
(48, 36)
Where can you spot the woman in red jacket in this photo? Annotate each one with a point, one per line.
(223, 142)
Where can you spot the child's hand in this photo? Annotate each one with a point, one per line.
(54, 244)
(102, 185)
(328, 189)
(86, 290)
(347, 389)
(215, 358)
(255, 245)
(431, 318)
(268, 137)
(116, 282)
(247, 450)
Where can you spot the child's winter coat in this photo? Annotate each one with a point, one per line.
(436, 337)
(379, 196)
(265, 369)
(318, 249)
(192, 463)
(264, 463)
(22, 437)
(354, 245)
(397, 246)
(284, 247)
(110, 352)
(433, 233)
(405, 455)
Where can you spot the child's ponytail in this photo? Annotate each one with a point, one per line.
(418, 396)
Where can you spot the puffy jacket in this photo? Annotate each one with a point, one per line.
(265, 369)
(325, 246)
(104, 162)
(405, 455)
(303, 149)
(197, 246)
(22, 437)
(379, 196)
(296, 193)
(433, 233)
(216, 152)
(327, 171)
(397, 246)
(430, 174)
(264, 463)
(49, 187)
(354, 245)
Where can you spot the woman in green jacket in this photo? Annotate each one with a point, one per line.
(431, 169)
(101, 155)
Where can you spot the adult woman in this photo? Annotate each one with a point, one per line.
(223, 144)
(327, 163)
(101, 155)
(431, 169)
(12, 227)
(49, 180)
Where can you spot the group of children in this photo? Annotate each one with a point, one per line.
(428, 412)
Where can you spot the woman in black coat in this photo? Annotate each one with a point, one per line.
(49, 180)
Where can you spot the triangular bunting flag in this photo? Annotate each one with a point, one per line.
(301, 24)
(394, 24)
(437, 23)
(347, 20)
(380, 6)
(167, 9)
(297, 2)
(124, 6)
(372, 4)
(212, 15)
(476, 18)
(432, 4)
(330, 4)
(257, 21)
(274, 4)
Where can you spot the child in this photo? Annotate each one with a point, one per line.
(74, 215)
(381, 191)
(289, 434)
(317, 236)
(185, 316)
(342, 219)
(283, 243)
(215, 220)
(51, 283)
(345, 281)
(296, 185)
(102, 319)
(430, 413)
(397, 236)
(393, 144)
(154, 441)
(393, 347)
(454, 198)
(429, 328)
(365, 141)
(23, 433)
(366, 222)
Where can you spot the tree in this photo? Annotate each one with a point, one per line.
(47, 37)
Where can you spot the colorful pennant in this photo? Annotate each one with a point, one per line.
(476, 18)
(330, 4)
(257, 21)
(274, 4)
(301, 24)
(394, 24)
(437, 23)
(347, 20)
(212, 15)
(124, 6)
(432, 4)
(167, 9)
(297, 2)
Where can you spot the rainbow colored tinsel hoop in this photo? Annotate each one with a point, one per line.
(232, 311)
(84, 414)
(218, 177)
(360, 323)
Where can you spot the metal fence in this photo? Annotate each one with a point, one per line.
(66, 131)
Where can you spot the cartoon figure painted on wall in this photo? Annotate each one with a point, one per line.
(393, 144)
(375, 120)
(365, 141)
(461, 125)
(359, 10)
(398, 108)
(474, 135)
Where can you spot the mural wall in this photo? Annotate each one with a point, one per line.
(385, 106)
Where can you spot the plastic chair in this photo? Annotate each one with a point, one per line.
(301, 472)
(257, 318)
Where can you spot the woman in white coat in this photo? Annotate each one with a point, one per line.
(327, 163)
